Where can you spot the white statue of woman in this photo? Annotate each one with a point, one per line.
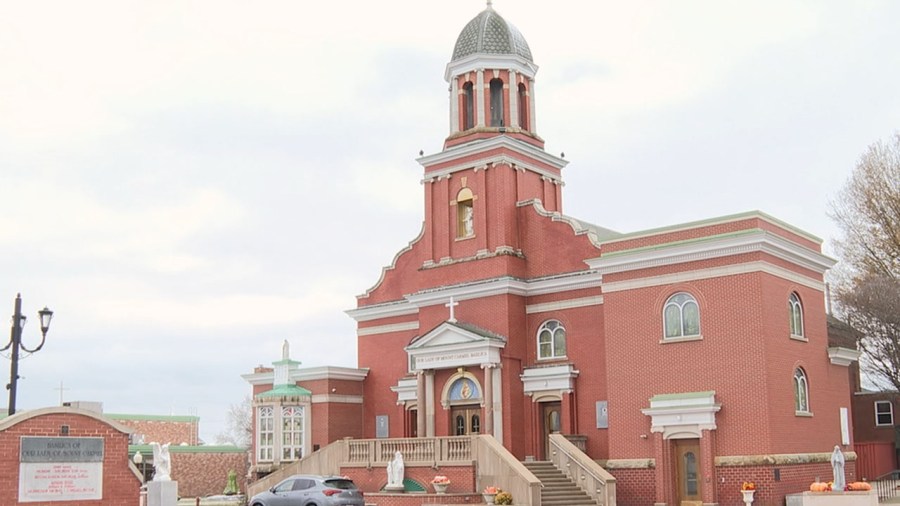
(162, 463)
(837, 468)
(395, 470)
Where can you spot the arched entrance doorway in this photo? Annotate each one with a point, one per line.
(463, 398)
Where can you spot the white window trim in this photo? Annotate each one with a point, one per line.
(795, 379)
(259, 446)
(796, 305)
(890, 412)
(682, 336)
(553, 355)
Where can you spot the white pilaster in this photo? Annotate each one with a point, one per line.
(531, 108)
(513, 100)
(429, 403)
(454, 105)
(479, 96)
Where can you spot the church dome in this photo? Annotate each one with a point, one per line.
(489, 33)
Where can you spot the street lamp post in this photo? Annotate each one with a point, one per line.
(15, 342)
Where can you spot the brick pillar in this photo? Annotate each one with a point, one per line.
(664, 470)
(708, 466)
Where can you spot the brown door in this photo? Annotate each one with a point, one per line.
(687, 472)
(465, 420)
(551, 424)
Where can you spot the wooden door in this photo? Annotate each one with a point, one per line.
(551, 423)
(687, 472)
(465, 420)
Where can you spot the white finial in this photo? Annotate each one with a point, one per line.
(490, 4)
(285, 351)
(451, 305)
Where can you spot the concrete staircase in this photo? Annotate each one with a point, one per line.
(557, 489)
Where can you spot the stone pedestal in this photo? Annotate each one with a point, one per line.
(162, 493)
(869, 498)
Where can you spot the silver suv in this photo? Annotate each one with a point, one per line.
(311, 490)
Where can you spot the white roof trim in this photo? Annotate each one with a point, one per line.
(716, 247)
(843, 356)
(449, 346)
(683, 417)
(406, 390)
(714, 272)
(481, 145)
(310, 374)
(498, 286)
(480, 61)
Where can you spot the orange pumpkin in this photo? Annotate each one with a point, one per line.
(818, 486)
(860, 485)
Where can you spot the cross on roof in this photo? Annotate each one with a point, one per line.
(451, 305)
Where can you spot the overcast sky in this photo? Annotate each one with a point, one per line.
(186, 184)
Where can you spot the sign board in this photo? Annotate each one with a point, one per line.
(382, 428)
(602, 415)
(60, 469)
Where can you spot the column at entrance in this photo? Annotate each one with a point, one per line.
(429, 403)
(708, 466)
(420, 403)
(488, 398)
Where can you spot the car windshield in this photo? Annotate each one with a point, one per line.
(340, 483)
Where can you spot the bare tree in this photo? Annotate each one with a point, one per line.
(238, 425)
(868, 286)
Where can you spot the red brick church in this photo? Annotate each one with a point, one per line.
(684, 359)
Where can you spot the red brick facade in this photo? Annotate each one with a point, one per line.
(121, 482)
(451, 334)
(175, 430)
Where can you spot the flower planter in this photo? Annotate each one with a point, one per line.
(748, 496)
(488, 498)
(440, 488)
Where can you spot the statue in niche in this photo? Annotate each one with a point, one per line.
(468, 221)
(162, 463)
(395, 472)
(837, 469)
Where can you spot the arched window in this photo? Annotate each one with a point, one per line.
(496, 102)
(795, 311)
(523, 107)
(465, 213)
(265, 433)
(468, 106)
(801, 391)
(681, 316)
(291, 433)
(551, 340)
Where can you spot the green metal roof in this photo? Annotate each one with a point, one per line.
(284, 391)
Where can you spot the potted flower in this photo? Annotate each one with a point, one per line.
(489, 493)
(748, 488)
(440, 484)
(503, 497)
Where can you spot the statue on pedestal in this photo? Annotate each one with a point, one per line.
(162, 463)
(395, 471)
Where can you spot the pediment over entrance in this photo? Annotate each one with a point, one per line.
(455, 344)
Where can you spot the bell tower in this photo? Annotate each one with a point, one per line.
(492, 161)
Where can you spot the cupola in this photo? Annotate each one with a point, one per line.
(491, 76)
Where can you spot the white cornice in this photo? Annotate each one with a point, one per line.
(713, 272)
(563, 304)
(842, 356)
(551, 378)
(484, 61)
(379, 311)
(488, 288)
(309, 374)
(714, 247)
(387, 329)
(337, 399)
(482, 145)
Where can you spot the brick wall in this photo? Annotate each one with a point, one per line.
(200, 474)
(162, 429)
(121, 486)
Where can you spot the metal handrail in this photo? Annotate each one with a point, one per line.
(886, 484)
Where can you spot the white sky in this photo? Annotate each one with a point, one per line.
(189, 183)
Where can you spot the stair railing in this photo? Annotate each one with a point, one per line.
(583, 471)
(886, 484)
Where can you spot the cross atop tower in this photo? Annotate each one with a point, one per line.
(451, 305)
